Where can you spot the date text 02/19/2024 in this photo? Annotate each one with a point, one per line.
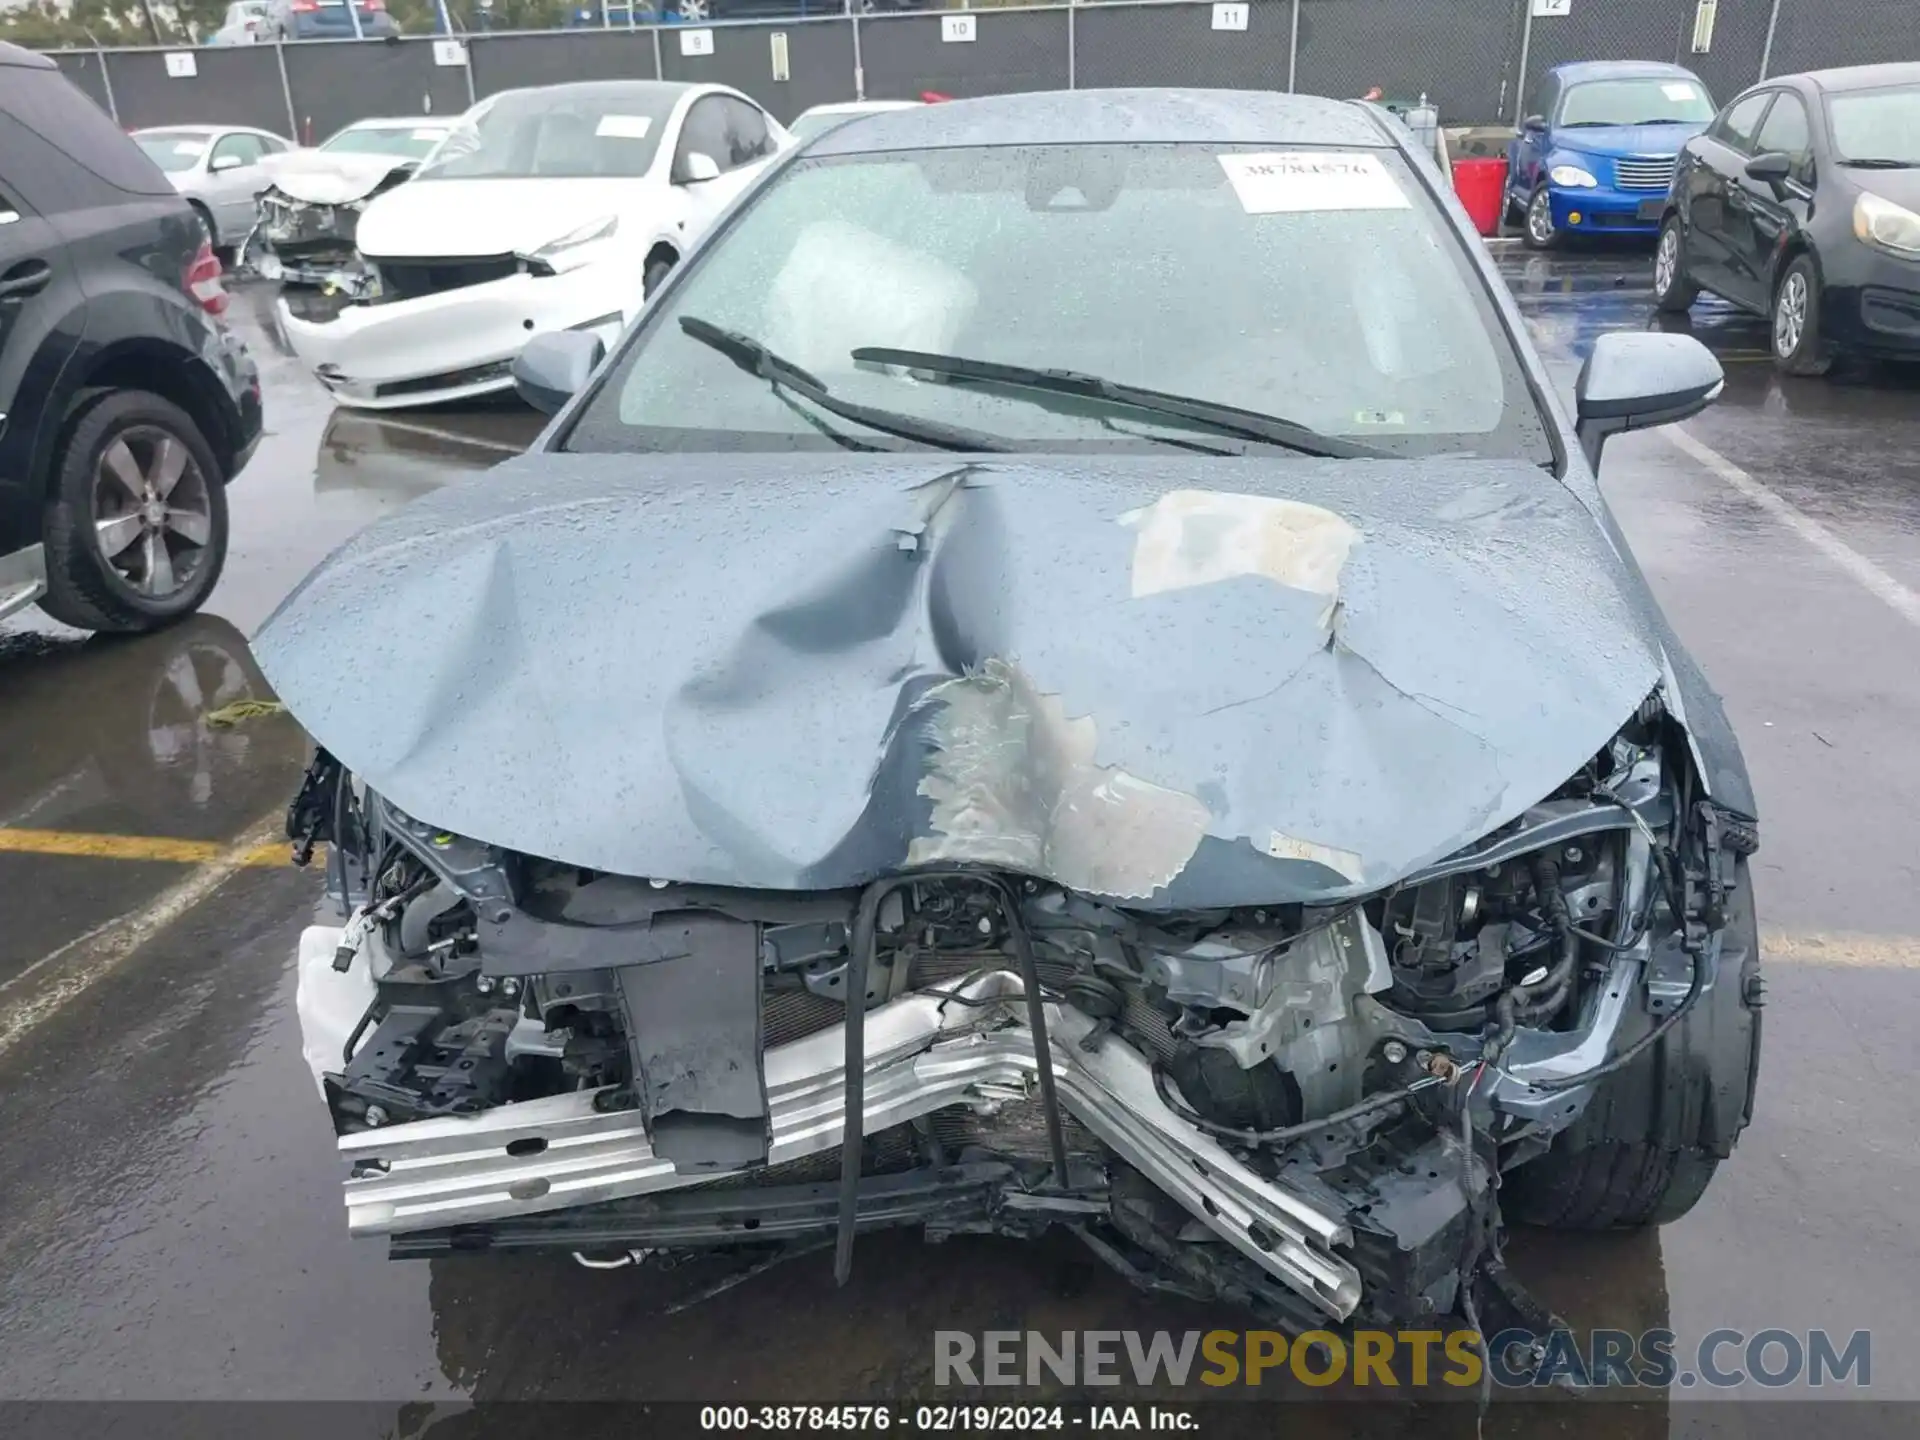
(942, 1419)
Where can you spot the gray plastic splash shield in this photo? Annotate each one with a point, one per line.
(1176, 681)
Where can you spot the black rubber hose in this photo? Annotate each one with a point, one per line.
(1037, 1022)
(1179, 1104)
(866, 918)
(866, 922)
(337, 849)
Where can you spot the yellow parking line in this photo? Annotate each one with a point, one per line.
(131, 847)
(1895, 952)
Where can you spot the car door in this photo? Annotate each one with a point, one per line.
(233, 178)
(1527, 156)
(1713, 179)
(37, 290)
(1774, 210)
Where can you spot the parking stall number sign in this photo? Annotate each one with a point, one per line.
(696, 42)
(1230, 17)
(956, 29)
(449, 52)
(1553, 7)
(181, 66)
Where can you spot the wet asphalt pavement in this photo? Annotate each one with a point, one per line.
(170, 1224)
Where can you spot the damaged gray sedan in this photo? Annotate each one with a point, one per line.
(1070, 672)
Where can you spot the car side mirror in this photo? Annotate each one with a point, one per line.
(1533, 123)
(1634, 381)
(225, 162)
(696, 166)
(552, 368)
(1773, 169)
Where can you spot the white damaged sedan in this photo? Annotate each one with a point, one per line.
(552, 209)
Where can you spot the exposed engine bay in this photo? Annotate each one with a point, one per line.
(1303, 1108)
(305, 236)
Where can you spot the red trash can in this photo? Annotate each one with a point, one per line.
(1481, 184)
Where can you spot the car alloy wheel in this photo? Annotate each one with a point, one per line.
(1790, 315)
(692, 10)
(1666, 261)
(1540, 219)
(152, 515)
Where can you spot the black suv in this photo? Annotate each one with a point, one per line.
(125, 405)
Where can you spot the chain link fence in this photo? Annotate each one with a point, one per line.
(1476, 60)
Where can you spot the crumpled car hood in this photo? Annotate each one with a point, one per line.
(1177, 682)
(318, 178)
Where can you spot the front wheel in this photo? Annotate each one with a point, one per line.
(654, 276)
(1673, 292)
(1798, 348)
(137, 529)
(1652, 1136)
(1540, 232)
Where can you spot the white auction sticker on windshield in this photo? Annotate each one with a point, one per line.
(429, 134)
(1679, 90)
(624, 127)
(1294, 180)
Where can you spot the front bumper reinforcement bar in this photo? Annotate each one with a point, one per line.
(922, 1053)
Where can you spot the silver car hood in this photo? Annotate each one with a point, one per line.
(1176, 681)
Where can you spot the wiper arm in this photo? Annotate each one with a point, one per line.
(1228, 419)
(756, 359)
(1881, 162)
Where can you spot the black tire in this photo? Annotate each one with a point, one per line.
(84, 589)
(205, 217)
(1679, 292)
(1650, 1140)
(656, 273)
(1798, 347)
(1538, 230)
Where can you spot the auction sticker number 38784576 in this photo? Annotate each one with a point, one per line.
(1285, 181)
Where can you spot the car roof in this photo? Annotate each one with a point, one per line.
(201, 130)
(1575, 70)
(860, 107)
(1861, 77)
(27, 59)
(663, 91)
(1062, 117)
(398, 122)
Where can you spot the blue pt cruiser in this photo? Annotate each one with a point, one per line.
(1598, 156)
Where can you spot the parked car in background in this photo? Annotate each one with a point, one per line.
(1599, 154)
(557, 208)
(125, 405)
(822, 118)
(246, 23)
(1801, 202)
(309, 213)
(218, 169)
(331, 20)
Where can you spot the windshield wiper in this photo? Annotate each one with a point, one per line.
(1228, 419)
(756, 359)
(1882, 162)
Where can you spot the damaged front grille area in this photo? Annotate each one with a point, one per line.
(414, 279)
(549, 1052)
